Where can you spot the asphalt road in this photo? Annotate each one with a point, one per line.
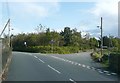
(56, 67)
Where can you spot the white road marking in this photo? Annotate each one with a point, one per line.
(63, 59)
(88, 67)
(72, 62)
(41, 60)
(79, 64)
(108, 74)
(67, 60)
(83, 66)
(93, 68)
(99, 69)
(54, 69)
(35, 56)
(106, 71)
(114, 73)
(100, 72)
(76, 63)
(72, 80)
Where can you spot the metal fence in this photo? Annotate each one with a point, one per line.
(5, 54)
(5, 50)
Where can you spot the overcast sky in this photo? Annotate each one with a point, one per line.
(56, 14)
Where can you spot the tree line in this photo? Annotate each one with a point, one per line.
(66, 39)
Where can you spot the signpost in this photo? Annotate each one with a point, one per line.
(52, 42)
(101, 37)
(25, 43)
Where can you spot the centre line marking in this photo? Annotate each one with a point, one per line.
(108, 74)
(93, 68)
(83, 66)
(72, 80)
(72, 62)
(113, 73)
(76, 63)
(79, 64)
(106, 71)
(54, 69)
(100, 72)
(88, 67)
(41, 60)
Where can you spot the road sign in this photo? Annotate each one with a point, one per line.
(52, 41)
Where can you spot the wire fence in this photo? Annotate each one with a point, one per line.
(5, 50)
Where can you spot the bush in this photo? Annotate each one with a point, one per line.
(73, 49)
(96, 56)
(114, 62)
(105, 57)
(48, 49)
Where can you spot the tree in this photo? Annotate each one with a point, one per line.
(67, 34)
(106, 41)
(40, 28)
(76, 37)
(93, 43)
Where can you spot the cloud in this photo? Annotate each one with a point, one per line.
(35, 10)
(15, 30)
(54, 0)
(29, 1)
(109, 11)
(108, 7)
(29, 14)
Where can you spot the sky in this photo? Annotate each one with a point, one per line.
(56, 14)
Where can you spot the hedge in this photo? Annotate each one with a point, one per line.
(47, 49)
(114, 62)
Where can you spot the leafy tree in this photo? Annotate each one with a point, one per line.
(67, 34)
(76, 37)
(106, 41)
(93, 43)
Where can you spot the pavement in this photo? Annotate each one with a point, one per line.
(57, 67)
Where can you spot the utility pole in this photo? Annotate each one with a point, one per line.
(101, 38)
(101, 46)
(9, 33)
(52, 42)
(109, 49)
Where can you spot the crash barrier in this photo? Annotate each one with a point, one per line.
(5, 56)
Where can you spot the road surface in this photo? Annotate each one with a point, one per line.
(56, 67)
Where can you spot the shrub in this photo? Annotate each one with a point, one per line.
(114, 62)
(48, 49)
(96, 56)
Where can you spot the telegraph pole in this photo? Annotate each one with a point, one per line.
(101, 46)
(101, 38)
